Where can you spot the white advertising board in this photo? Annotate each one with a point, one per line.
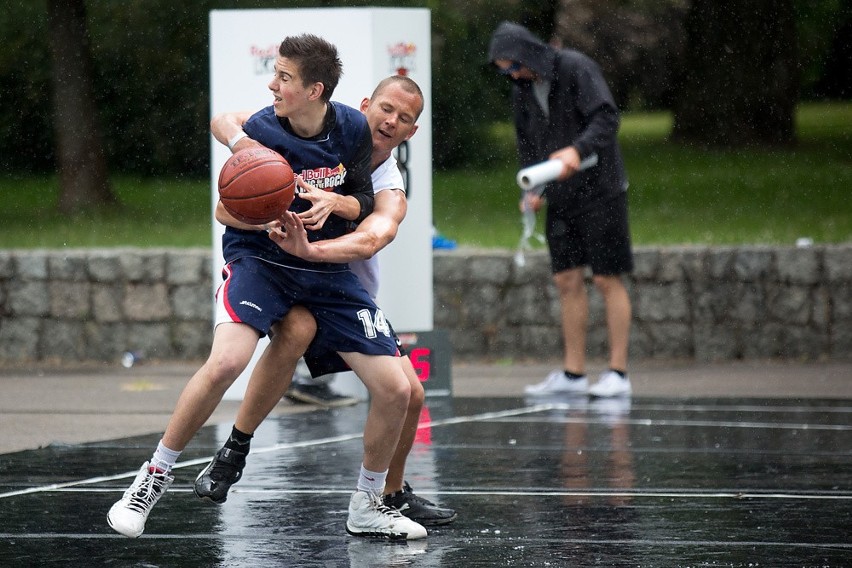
(373, 43)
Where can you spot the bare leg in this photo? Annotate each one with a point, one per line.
(233, 346)
(618, 315)
(273, 373)
(390, 391)
(574, 303)
(396, 473)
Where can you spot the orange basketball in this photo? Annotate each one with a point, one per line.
(256, 185)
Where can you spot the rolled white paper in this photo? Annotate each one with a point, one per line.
(548, 171)
(540, 174)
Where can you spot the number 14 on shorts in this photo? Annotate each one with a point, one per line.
(373, 326)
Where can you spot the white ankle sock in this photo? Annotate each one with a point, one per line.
(372, 481)
(164, 458)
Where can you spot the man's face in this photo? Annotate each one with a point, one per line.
(391, 114)
(514, 69)
(290, 95)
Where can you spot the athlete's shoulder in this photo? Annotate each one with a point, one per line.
(388, 176)
(263, 114)
(346, 110)
(346, 115)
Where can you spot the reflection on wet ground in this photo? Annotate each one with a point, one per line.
(567, 482)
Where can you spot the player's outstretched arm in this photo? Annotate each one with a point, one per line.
(374, 233)
(227, 129)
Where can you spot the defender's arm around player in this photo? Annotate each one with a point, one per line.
(391, 113)
(263, 283)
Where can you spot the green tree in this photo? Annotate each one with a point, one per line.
(150, 70)
(26, 138)
(637, 43)
(83, 177)
(740, 76)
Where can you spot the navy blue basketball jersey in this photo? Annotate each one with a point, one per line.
(338, 159)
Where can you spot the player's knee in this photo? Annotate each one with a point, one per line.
(570, 282)
(396, 392)
(403, 389)
(297, 329)
(296, 339)
(606, 283)
(417, 397)
(223, 368)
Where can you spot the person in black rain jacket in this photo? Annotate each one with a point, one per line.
(563, 109)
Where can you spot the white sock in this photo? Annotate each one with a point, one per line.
(164, 458)
(372, 481)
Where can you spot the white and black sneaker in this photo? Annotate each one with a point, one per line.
(417, 508)
(225, 469)
(611, 384)
(368, 516)
(128, 515)
(557, 383)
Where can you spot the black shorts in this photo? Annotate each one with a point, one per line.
(598, 238)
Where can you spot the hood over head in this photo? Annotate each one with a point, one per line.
(516, 43)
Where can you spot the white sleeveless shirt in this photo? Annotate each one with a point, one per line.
(386, 177)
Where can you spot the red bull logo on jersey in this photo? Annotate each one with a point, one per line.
(325, 178)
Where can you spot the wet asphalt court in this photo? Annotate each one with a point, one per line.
(557, 482)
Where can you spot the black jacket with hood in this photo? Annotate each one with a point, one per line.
(582, 114)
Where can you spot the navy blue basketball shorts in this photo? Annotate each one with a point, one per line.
(598, 238)
(260, 293)
(321, 361)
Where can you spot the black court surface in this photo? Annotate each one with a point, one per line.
(568, 482)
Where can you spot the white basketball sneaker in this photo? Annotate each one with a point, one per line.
(128, 515)
(611, 384)
(369, 516)
(557, 383)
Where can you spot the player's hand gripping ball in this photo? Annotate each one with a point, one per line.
(256, 185)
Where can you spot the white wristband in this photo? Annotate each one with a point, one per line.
(236, 138)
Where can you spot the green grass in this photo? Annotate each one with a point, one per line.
(677, 195)
(152, 213)
(682, 195)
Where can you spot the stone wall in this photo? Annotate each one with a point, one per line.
(95, 304)
(688, 302)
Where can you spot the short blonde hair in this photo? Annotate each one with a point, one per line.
(406, 83)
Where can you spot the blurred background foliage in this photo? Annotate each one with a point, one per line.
(151, 84)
